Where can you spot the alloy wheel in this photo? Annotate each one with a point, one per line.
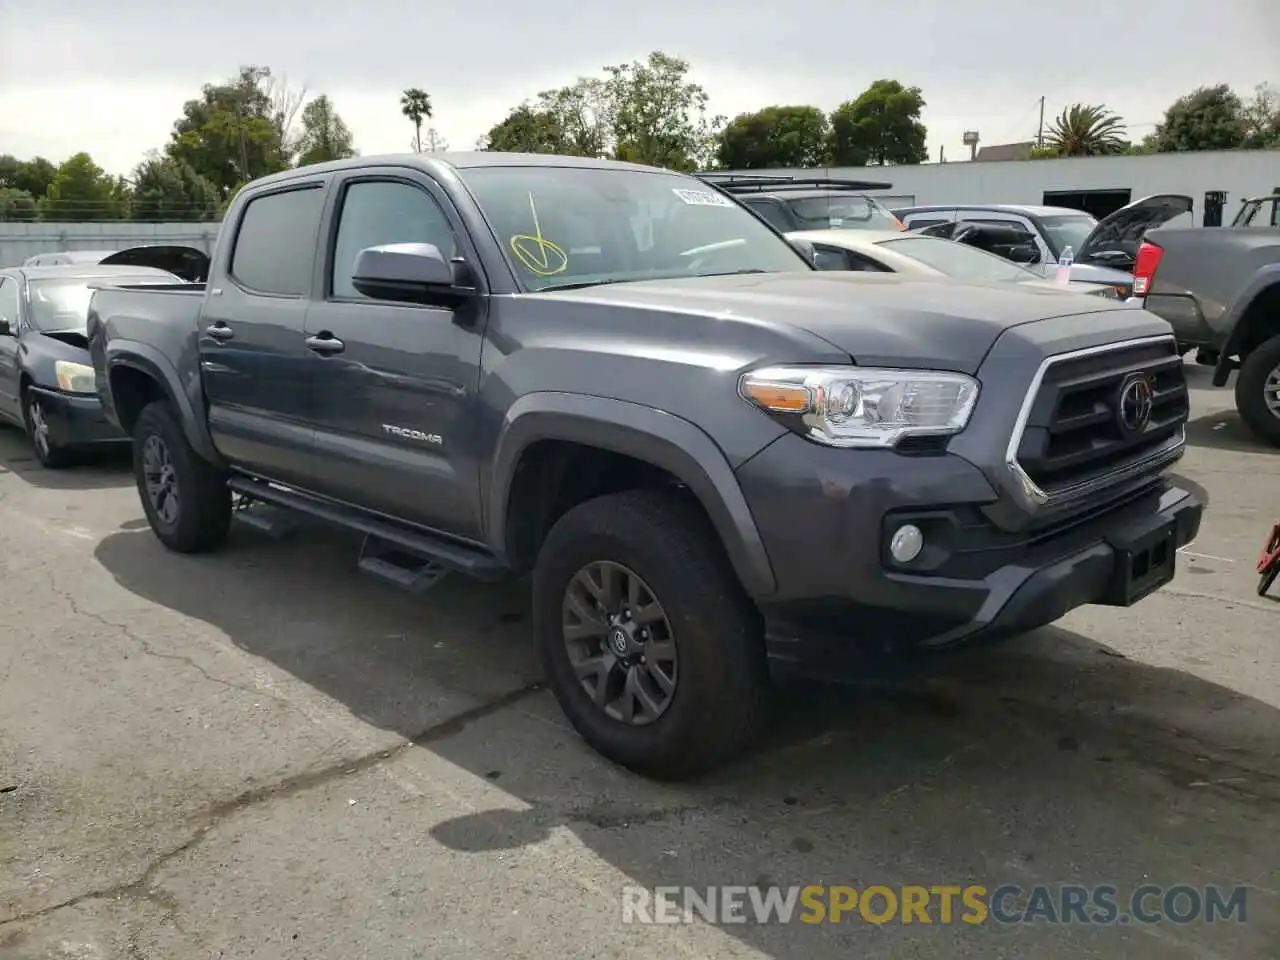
(161, 480)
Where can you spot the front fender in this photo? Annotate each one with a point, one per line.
(659, 438)
(1266, 277)
(188, 398)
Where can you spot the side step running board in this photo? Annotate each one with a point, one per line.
(409, 558)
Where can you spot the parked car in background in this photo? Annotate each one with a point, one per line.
(1103, 250)
(878, 251)
(46, 380)
(189, 263)
(1219, 288)
(809, 203)
(711, 457)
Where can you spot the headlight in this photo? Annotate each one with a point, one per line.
(861, 406)
(74, 377)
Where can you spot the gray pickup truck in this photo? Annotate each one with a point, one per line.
(1219, 288)
(713, 459)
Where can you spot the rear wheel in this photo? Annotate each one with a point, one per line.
(185, 497)
(650, 645)
(1258, 391)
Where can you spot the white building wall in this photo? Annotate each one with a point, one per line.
(1241, 174)
(21, 240)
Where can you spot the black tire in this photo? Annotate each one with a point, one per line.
(1267, 579)
(1250, 397)
(203, 503)
(47, 452)
(722, 682)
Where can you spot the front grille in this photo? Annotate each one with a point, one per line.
(1076, 434)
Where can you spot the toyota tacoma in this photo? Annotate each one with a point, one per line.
(716, 462)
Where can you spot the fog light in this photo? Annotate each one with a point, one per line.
(907, 543)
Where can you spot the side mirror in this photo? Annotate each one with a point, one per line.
(6, 328)
(408, 273)
(806, 250)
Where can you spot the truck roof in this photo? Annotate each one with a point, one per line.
(459, 160)
(87, 271)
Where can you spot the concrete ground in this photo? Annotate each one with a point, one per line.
(262, 753)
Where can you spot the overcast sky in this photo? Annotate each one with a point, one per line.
(110, 77)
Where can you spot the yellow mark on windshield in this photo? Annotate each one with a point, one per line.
(535, 252)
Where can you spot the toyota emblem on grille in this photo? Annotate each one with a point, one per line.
(1136, 397)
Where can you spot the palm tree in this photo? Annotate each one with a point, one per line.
(416, 105)
(1085, 130)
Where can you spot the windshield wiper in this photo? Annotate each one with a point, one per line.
(581, 284)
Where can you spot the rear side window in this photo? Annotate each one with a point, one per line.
(275, 247)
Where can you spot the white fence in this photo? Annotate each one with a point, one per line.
(21, 240)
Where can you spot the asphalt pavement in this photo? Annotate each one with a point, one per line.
(262, 753)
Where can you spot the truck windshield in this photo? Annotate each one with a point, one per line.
(56, 306)
(579, 226)
(1061, 232)
(842, 212)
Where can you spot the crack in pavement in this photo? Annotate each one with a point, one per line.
(128, 633)
(142, 887)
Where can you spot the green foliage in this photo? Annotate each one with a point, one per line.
(16, 205)
(171, 190)
(1207, 118)
(529, 129)
(880, 126)
(235, 131)
(782, 136)
(1086, 130)
(1261, 116)
(415, 103)
(324, 135)
(81, 191)
(30, 176)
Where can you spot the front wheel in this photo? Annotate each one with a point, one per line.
(43, 445)
(185, 498)
(649, 643)
(1258, 391)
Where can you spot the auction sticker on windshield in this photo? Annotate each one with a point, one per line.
(702, 198)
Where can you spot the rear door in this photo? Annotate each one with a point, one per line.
(253, 361)
(395, 383)
(10, 306)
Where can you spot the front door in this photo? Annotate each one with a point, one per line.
(252, 358)
(10, 305)
(394, 397)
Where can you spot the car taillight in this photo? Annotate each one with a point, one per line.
(1144, 267)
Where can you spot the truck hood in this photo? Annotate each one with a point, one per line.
(889, 319)
(1120, 233)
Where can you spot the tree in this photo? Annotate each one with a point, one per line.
(16, 205)
(30, 176)
(324, 134)
(881, 126)
(168, 190)
(80, 191)
(586, 112)
(796, 136)
(415, 104)
(233, 131)
(1261, 115)
(1207, 118)
(527, 129)
(659, 116)
(434, 142)
(1086, 130)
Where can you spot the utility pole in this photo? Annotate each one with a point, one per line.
(1040, 131)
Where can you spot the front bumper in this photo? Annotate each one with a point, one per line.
(826, 517)
(77, 420)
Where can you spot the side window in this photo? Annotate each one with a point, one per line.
(858, 261)
(919, 223)
(377, 212)
(829, 258)
(276, 244)
(772, 213)
(9, 302)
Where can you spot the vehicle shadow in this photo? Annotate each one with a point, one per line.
(1225, 430)
(98, 471)
(1050, 759)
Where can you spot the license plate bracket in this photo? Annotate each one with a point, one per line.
(1145, 562)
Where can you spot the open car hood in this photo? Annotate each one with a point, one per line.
(189, 263)
(1123, 230)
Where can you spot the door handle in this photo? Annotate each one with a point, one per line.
(219, 332)
(325, 345)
